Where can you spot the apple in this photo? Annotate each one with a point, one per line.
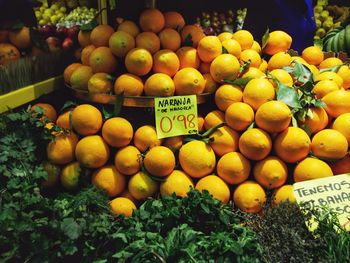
(54, 44)
(72, 32)
(67, 43)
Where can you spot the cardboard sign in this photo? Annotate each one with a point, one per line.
(176, 115)
(332, 192)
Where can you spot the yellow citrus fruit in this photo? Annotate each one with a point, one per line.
(159, 161)
(329, 144)
(210, 84)
(100, 83)
(273, 116)
(271, 172)
(311, 168)
(330, 76)
(283, 76)
(139, 61)
(292, 145)
(48, 110)
(151, 19)
(122, 206)
(256, 46)
(283, 194)
(263, 65)
(227, 94)
(85, 54)
(204, 68)
(250, 55)
(70, 176)
(232, 46)
(68, 71)
(200, 120)
(173, 143)
(174, 20)
(249, 197)
(344, 73)
(100, 35)
(149, 41)
(92, 151)
(102, 59)
(129, 85)
(146, 137)
(177, 182)
(86, 119)
(330, 62)
(255, 144)
(337, 102)
(209, 47)
(61, 150)
(318, 120)
(313, 55)
(197, 159)
(127, 160)
(244, 38)
(189, 81)
(239, 116)
(254, 73)
(170, 39)
(342, 124)
(224, 36)
(8, 52)
(213, 118)
(166, 61)
(110, 180)
(323, 87)
(279, 60)
(159, 85)
(129, 27)
(224, 140)
(277, 41)
(233, 168)
(121, 43)
(215, 186)
(341, 166)
(117, 132)
(192, 32)
(188, 57)
(53, 175)
(80, 77)
(224, 67)
(257, 92)
(20, 38)
(142, 186)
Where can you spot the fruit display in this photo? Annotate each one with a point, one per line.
(338, 39)
(50, 15)
(77, 17)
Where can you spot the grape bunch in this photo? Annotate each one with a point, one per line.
(77, 17)
(215, 22)
(50, 15)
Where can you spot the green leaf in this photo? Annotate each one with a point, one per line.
(318, 43)
(302, 74)
(118, 105)
(239, 82)
(112, 4)
(288, 95)
(294, 121)
(71, 228)
(319, 103)
(224, 50)
(245, 66)
(188, 41)
(89, 26)
(331, 69)
(67, 105)
(107, 113)
(17, 25)
(265, 38)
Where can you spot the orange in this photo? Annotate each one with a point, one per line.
(121, 43)
(149, 41)
(249, 197)
(209, 47)
(100, 35)
(80, 77)
(252, 56)
(8, 53)
(128, 160)
(227, 94)
(159, 161)
(192, 32)
(100, 83)
(213, 118)
(177, 182)
(170, 39)
(200, 123)
(159, 85)
(256, 46)
(283, 194)
(86, 119)
(215, 186)
(122, 206)
(263, 65)
(70, 176)
(92, 151)
(279, 60)
(329, 144)
(239, 116)
(84, 38)
(232, 46)
(292, 145)
(110, 180)
(255, 144)
(224, 67)
(330, 76)
(244, 38)
(174, 143)
(20, 38)
(210, 84)
(277, 41)
(341, 166)
(77, 53)
(254, 73)
(313, 55)
(146, 137)
(139, 61)
(311, 168)
(257, 92)
(273, 116)
(174, 20)
(233, 168)
(129, 85)
(53, 175)
(85, 54)
(337, 102)
(188, 57)
(283, 76)
(344, 73)
(189, 81)
(204, 68)
(63, 120)
(151, 20)
(142, 186)
(68, 71)
(330, 62)
(48, 110)
(197, 159)
(271, 172)
(318, 121)
(342, 124)
(130, 27)
(127, 194)
(117, 132)
(102, 60)
(166, 61)
(224, 140)
(225, 36)
(61, 150)
(323, 87)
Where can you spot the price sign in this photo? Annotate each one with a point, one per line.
(176, 115)
(332, 192)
